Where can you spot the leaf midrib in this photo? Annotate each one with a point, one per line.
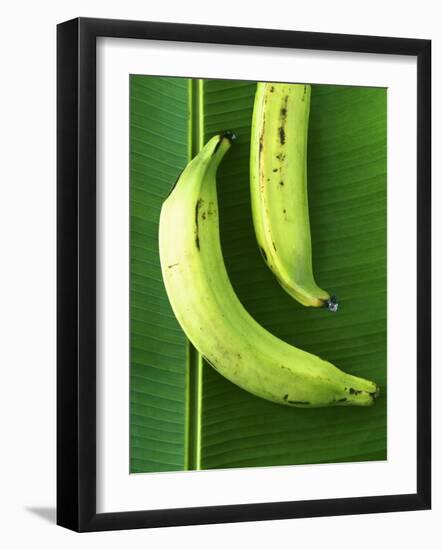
(194, 362)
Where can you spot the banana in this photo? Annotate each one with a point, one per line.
(212, 316)
(278, 183)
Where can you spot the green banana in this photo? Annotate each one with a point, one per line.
(278, 183)
(211, 314)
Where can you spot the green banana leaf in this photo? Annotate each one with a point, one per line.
(158, 151)
(184, 415)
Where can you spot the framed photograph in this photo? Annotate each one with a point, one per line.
(243, 274)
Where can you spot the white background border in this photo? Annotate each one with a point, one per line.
(116, 489)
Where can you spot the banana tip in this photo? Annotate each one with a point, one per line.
(375, 394)
(332, 304)
(231, 136)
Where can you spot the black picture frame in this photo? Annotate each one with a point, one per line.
(76, 274)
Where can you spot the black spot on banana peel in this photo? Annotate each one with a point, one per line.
(199, 202)
(305, 93)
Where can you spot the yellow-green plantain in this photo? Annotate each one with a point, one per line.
(212, 316)
(278, 182)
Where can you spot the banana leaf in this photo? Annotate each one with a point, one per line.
(158, 151)
(184, 415)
